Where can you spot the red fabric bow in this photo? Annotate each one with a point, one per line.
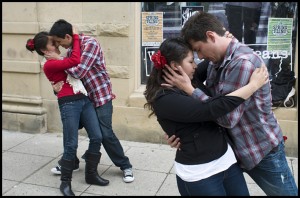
(158, 60)
(30, 44)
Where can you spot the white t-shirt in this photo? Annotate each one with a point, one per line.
(191, 173)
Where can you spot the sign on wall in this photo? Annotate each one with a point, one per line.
(152, 28)
(280, 34)
(149, 51)
(276, 61)
(188, 11)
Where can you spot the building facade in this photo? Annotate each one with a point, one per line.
(28, 102)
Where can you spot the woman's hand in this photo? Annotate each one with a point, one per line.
(228, 35)
(177, 78)
(259, 77)
(74, 30)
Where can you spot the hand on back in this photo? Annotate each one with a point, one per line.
(173, 141)
(259, 77)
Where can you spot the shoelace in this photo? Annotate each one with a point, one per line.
(128, 172)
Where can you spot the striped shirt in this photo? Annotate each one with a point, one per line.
(253, 127)
(92, 71)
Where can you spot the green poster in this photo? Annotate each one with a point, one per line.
(280, 34)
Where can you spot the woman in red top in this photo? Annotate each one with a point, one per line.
(74, 108)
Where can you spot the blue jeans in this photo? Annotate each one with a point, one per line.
(110, 142)
(273, 174)
(71, 113)
(230, 182)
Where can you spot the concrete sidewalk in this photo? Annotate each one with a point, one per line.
(28, 158)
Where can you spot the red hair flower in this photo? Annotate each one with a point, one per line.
(158, 60)
(30, 44)
(284, 138)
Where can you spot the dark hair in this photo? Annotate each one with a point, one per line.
(173, 49)
(198, 24)
(38, 43)
(60, 28)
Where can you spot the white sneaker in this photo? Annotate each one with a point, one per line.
(128, 175)
(56, 170)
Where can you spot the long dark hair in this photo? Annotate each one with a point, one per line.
(38, 43)
(60, 28)
(173, 49)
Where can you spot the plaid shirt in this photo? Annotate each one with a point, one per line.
(253, 126)
(92, 71)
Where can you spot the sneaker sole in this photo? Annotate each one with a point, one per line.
(128, 180)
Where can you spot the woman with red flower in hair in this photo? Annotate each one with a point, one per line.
(205, 163)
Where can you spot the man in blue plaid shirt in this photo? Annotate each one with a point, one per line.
(257, 137)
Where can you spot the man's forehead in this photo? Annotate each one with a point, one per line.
(56, 38)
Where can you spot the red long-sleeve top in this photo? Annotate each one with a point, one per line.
(55, 69)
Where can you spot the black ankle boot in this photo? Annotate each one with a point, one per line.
(66, 188)
(67, 167)
(91, 173)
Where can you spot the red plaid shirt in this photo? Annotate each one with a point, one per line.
(252, 125)
(92, 71)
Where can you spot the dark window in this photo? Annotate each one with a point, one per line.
(247, 21)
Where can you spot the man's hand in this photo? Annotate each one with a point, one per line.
(179, 79)
(57, 87)
(173, 141)
(52, 55)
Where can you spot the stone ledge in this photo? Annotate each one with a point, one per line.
(137, 99)
(20, 27)
(24, 122)
(283, 113)
(32, 67)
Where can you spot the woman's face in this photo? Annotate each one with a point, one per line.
(188, 65)
(52, 46)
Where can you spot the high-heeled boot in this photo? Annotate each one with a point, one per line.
(67, 167)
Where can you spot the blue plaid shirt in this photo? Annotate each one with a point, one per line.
(252, 126)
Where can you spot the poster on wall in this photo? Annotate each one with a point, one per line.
(152, 28)
(149, 51)
(280, 34)
(188, 11)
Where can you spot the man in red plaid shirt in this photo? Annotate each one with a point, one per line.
(93, 74)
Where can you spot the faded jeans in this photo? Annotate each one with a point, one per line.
(273, 174)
